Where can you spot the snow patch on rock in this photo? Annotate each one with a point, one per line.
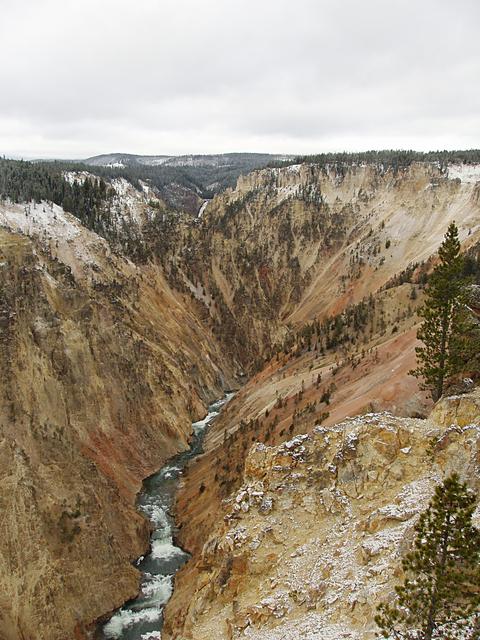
(464, 172)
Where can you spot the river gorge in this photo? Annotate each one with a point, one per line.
(142, 618)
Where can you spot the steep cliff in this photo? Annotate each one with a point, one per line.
(301, 242)
(313, 539)
(103, 369)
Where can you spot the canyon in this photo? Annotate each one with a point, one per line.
(103, 371)
(298, 288)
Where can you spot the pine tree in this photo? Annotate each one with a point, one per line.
(441, 592)
(445, 319)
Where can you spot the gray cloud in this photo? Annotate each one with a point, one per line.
(180, 76)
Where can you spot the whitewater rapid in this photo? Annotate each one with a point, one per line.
(142, 618)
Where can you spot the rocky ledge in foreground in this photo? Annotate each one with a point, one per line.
(313, 540)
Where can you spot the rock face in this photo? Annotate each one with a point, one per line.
(312, 541)
(103, 370)
(294, 243)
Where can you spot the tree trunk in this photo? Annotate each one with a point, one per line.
(432, 613)
(443, 354)
(431, 619)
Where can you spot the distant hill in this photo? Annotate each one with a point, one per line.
(237, 160)
(122, 160)
(197, 176)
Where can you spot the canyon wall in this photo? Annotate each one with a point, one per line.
(295, 243)
(103, 370)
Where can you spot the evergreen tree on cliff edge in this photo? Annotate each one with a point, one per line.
(440, 596)
(447, 325)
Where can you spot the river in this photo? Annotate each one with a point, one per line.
(142, 618)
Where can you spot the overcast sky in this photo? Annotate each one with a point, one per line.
(83, 77)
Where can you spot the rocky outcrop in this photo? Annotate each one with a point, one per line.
(103, 370)
(313, 540)
(459, 410)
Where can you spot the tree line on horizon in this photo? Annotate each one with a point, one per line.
(396, 158)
